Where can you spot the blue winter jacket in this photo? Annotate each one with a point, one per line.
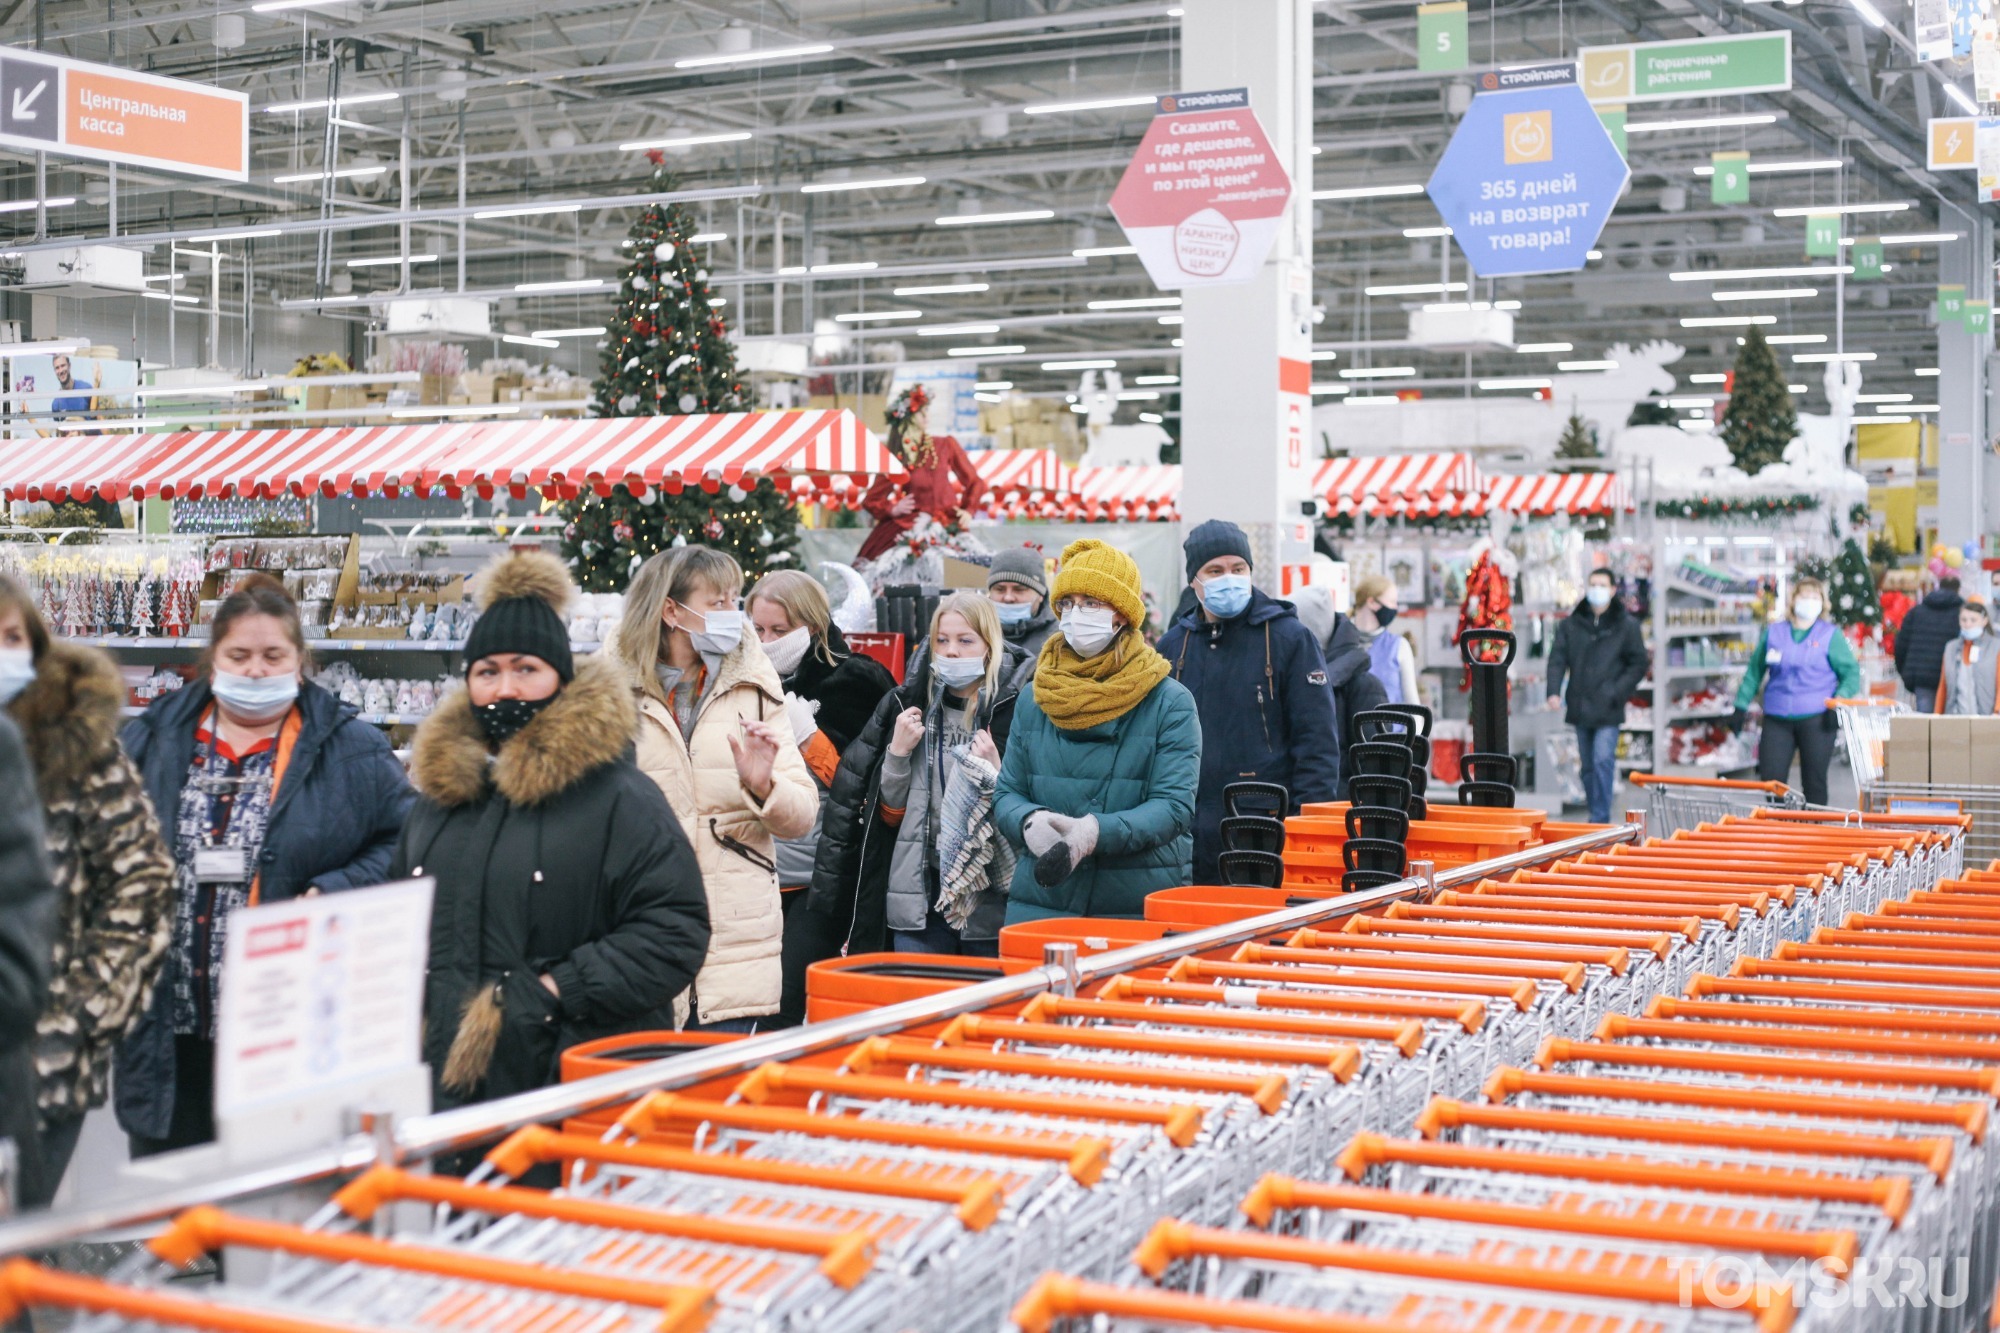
(339, 812)
(1135, 773)
(1266, 711)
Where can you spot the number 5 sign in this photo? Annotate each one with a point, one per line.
(1441, 36)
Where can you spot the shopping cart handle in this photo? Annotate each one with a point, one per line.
(1734, 784)
(1862, 703)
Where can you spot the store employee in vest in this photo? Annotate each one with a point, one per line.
(1808, 662)
(1259, 685)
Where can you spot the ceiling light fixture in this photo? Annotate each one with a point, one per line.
(581, 331)
(956, 330)
(380, 261)
(360, 99)
(1708, 379)
(1324, 356)
(754, 57)
(1322, 390)
(1911, 238)
(565, 285)
(1005, 349)
(523, 340)
(944, 289)
(1828, 210)
(1546, 347)
(877, 183)
(994, 386)
(1378, 373)
(1925, 372)
(1586, 365)
(338, 173)
(1814, 358)
(1100, 363)
(527, 211)
(1700, 123)
(277, 6)
(27, 205)
(1154, 418)
(1173, 319)
(1156, 379)
(1104, 251)
(1414, 288)
(871, 316)
(1136, 303)
(851, 266)
(1793, 339)
(1885, 397)
(249, 234)
(979, 219)
(1097, 104)
(1791, 271)
(1965, 103)
(683, 141)
(180, 300)
(1415, 233)
(460, 410)
(1803, 164)
(1373, 400)
(1725, 321)
(1766, 294)
(1368, 191)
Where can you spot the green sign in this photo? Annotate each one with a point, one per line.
(1704, 67)
(1823, 234)
(1868, 260)
(1731, 183)
(1978, 318)
(1951, 304)
(1441, 36)
(1614, 124)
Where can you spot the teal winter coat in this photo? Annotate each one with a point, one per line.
(1137, 773)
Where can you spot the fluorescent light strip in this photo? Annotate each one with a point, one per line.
(176, 298)
(1136, 303)
(1830, 210)
(1336, 390)
(1104, 251)
(717, 302)
(1324, 356)
(523, 340)
(1097, 104)
(956, 330)
(754, 57)
(1925, 372)
(29, 205)
(1102, 363)
(566, 285)
(1965, 103)
(1154, 418)
(1173, 319)
(1820, 358)
(528, 211)
(994, 386)
(1766, 294)
(1414, 288)
(249, 234)
(1491, 386)
(1795, 388)
(1453, 307)
(1586, 365)
(1684, 403)
(979, 219)
(47, 347)
(707, 237)
(1885, 397)
(877, 183)
(336, 104)
(851, 266)
(944, 289)
(1764, 168)
(339, 173)
(1138, 395)
(1793, 339)
(278, 6)
(1546, 347)
(581, 331)
(871, 316)
(1708, 379)
(1368, 191)
(1911, 407)
(1725, 321)
(1379, 373)
(1005, 349)
(683, 141)
(989, 397)
(382, 261)
(1910, 238)
(1156, 379)
(1700, 123)
(1417, 233)
(1792, 271)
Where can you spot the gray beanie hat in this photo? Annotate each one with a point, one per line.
(1020, 564)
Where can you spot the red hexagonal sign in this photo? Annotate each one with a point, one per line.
(1205, 193)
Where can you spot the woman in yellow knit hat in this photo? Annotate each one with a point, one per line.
(1099, 781)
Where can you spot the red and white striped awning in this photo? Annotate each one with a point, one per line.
(565, 457)
(322, 460)
(62, 467)
(1559, 493)
(1415, 485)
(1139, 494)
(1023, 482)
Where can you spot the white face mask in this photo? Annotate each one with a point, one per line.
(256, 700)
(1089, 630)
(955, 673)
(719, 634)
(787, 651)
(17, 672)
(1806, 610)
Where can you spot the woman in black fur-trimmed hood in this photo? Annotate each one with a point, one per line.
(569, 904)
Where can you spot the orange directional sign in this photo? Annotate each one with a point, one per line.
(49, 104)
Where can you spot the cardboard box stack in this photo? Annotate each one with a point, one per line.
(1943, 751)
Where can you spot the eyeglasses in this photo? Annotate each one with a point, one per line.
(1079, 602)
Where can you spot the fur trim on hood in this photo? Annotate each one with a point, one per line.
(590, 724)
(525, 574)
(69, 714)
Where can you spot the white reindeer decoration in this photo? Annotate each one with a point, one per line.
(1109, 445)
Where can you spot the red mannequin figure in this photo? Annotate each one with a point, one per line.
(942, 482)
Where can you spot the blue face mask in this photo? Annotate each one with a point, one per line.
(1226, 595)
(1971, 633)
(1013, 613)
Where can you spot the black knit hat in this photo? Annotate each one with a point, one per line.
(1211, 539)
(523, 596)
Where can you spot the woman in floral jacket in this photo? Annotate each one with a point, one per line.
(113, 875)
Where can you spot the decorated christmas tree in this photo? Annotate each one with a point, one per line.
(666, 352)
(1578, 445)
(1850, 588)
(1760, 419)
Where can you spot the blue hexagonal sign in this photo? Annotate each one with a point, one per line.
(1528, 181)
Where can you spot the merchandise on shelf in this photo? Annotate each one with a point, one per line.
(1700, 574)
(117, 588)
(378, 698)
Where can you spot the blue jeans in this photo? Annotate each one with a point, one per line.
(1597, 747)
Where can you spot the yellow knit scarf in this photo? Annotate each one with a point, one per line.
(1078, 692)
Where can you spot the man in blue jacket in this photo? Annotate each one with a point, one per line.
(1259, 684)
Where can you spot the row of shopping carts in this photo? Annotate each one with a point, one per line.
(1548, 1100)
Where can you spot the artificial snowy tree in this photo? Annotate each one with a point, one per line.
(1760, 419)
(1578, 446)
(666, 352)
(1850, 589)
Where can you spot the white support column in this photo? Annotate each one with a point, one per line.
(1968, 472)
(1246, 410)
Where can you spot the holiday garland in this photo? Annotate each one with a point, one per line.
(1750, 508)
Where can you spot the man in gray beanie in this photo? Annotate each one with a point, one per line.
(1017, 584)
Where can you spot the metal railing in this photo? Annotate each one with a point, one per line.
(422, 1137)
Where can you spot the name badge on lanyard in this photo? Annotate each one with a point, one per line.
(1772, 657)
(221, 865)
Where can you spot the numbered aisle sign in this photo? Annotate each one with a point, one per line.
(1823, 234)
(1951, 304)
(1441, 35)
(1731, 184)
(1868, 259)
(1978, 317)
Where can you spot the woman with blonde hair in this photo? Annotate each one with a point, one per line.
(909, 855)
(713, 733)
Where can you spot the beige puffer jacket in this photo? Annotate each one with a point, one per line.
(741, 977)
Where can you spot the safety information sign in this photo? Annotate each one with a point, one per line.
(319, 991)
(1205, 194)
(1528, 181)
(52, 105)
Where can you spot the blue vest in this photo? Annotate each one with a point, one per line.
(1383, 665)
(1802, 679)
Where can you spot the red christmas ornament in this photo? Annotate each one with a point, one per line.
(713, 528)
(622, 531)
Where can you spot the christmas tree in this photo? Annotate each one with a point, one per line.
(667, 352)
(1652, 410)
(1850, 588)
(1760, 419)
(1578, 444)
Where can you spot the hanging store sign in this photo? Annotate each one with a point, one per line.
(1867, 259)
(1949, 140)
(1950, 303)
(1441, 35)
(1986, 158)
(1978, 318)
(1702, 67)
(52, 105)
(1528, 181)
(1931, 24)
(1823, 235)
(1205, 193)
(1731, 182)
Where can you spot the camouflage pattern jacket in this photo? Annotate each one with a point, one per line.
(114, 877)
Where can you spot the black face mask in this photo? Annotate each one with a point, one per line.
(503, 719)
(1383, 615)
